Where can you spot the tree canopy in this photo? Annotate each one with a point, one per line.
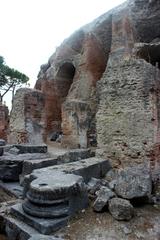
(10, 79)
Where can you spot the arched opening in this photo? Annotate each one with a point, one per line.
(62, 85)
(64, 79)
(150, 53)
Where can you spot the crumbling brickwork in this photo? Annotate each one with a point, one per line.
(4, 121)
(26, 120)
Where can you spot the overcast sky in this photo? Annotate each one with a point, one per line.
(30, 30)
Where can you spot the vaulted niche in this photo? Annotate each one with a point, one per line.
(62, 85)
(150, 53)
(64, 79)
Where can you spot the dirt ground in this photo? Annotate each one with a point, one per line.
(101, 226)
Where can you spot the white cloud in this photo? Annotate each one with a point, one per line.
(31, 29)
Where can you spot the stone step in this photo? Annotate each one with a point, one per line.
(27, 148)
(16, 229)
(30, 165)
(12, 188)
(11, 165)
(42, 225)
(87, 168)
(56, 159)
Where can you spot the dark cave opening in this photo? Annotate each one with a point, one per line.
(64, 79)
(63, 82)
(150, 53)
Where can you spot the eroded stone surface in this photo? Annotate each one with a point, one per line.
(134, 182)
(26, 120)
(103, 197)
(57, 192)
(11, 164)
(54, 185)
(4, 121)
(121, 209)
(51, 200)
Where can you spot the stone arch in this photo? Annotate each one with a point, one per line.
(150, 52)
(61, 86)
(64, 79)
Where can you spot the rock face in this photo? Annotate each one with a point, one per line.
(26, 120)
(101, 87)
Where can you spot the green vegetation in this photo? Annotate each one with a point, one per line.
(10, 79)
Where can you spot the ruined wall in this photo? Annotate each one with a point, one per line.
(68, 82)
(4, 121)
(102, 83)
(128, 112)
(26, 119)
(127, 118)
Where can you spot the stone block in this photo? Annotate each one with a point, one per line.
(24, 148)
(43, 226)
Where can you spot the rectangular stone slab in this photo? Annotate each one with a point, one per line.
(87, 168)
(24, 148)
(59, 158)
(30, 165)
(44, 226)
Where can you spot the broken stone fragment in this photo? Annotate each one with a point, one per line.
(94, 185)
(111, 175)
(14, 151)
(134, 182)
(11, 164)
(104, 195)
(121, 209)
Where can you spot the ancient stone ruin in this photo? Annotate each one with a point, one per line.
(90, 129)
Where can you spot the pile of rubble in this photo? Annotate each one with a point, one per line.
(121, 190)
